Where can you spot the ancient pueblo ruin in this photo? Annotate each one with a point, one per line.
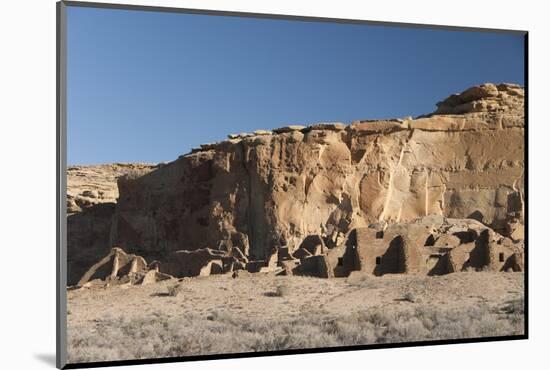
(410, 205)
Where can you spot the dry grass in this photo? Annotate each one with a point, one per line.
(159, 335)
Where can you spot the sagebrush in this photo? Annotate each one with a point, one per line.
(223, 332)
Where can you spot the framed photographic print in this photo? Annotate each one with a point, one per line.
(234, 184)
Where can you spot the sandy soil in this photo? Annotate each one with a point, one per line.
(255, 296)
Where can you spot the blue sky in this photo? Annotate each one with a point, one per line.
(147, 86)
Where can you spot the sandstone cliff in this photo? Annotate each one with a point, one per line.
(92, 194)
(88, 186)
(270, 189)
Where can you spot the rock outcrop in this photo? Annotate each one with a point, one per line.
(92, 193)
(485, 98)
(256, 194)
(88, 186)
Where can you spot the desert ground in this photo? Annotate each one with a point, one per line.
(261, 312)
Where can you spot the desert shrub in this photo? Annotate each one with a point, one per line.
(282, 290)
(174, 290)
(515, 311)
(409, 297)
(514, 307)
(223, 331)
(358, 278)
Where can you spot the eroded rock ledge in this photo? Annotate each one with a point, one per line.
(268, 191)
(88, 186)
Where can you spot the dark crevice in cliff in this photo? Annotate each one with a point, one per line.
(249, 216)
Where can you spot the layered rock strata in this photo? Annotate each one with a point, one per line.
(92, 193)
(258, 194)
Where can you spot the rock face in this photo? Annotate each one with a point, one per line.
(88, 186)
(92, 193)
(485, 98)
(280, 188)
(259, 193)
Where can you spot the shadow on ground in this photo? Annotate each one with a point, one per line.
(47, 358)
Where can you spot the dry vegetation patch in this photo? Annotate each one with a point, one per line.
(224, 332)
(218, 315)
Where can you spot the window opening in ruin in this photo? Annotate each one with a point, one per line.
(430, 241)
(501, 257)
(379, 234)
(378, 260)
(340, 261)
